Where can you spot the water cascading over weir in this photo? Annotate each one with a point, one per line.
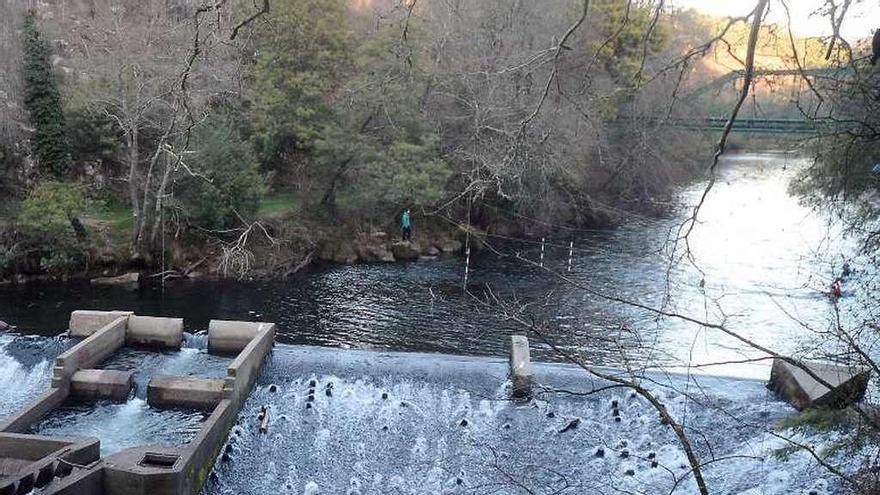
(73, 465)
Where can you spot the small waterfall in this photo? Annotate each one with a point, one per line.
(198, 340)
(120, 426)
(18, 382)
(359, 422)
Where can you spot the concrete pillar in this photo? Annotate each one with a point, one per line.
(86, 322)
(802, 391)
(151, 331)
(520, 366)
(102, 384)
(186, 392)
(230, 337)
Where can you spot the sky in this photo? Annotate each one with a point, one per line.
(862, 17)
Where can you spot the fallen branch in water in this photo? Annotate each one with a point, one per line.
(306, 261)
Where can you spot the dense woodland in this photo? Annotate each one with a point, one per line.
(161, 133)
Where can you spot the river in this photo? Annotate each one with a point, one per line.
(436, 418)
(763, 259)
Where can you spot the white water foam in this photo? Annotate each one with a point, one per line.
(414, 424)
(19, 383)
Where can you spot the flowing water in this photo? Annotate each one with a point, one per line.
(763, 260)
(430, 423)
(416, 423)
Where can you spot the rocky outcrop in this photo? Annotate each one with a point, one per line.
(373, 248)
(431, 250)
(124, 279)
(406, 250)
(336, 252)
(345, 254)
(376, 247)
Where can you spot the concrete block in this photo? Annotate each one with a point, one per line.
(86, 322)
(243, 370)
(102, 384)
(848, 384)
(152, 331)
(230, 337)
(79, 482)
(22, 419)
(520, 366)
(90, 352)
(185, 392)
(203, 450)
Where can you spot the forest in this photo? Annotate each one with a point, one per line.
(251, 138)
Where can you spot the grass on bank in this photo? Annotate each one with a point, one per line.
(278, 204)
(117, 217)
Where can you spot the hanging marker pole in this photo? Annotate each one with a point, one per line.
(570, 253)
(542, 251)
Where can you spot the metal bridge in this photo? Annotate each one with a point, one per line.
(756, 124)
(750, 125)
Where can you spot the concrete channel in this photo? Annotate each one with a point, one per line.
(73, 466)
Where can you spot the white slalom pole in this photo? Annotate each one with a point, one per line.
(467, 264)
(542, 251)
(570, 253)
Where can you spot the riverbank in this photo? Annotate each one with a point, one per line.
(281, 240)
(277, 245)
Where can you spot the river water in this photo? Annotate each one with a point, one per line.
(435, 419)
(762, 257)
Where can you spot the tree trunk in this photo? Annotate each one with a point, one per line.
(133, 159)
(160, 195)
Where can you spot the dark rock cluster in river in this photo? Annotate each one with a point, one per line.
(380, 247)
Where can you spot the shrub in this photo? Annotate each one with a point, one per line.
(53, 207)
(231, 184)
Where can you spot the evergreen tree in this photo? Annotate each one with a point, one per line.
(300, 58)
(43, 103)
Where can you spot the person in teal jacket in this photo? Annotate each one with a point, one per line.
(406, 225)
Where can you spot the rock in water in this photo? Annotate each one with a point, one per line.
(431, 251)
(404, 251)
(125, 279)
(571, 425)
(450, 246)
(5, 327)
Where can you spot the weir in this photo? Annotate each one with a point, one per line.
(320, 420)
(73, 465)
